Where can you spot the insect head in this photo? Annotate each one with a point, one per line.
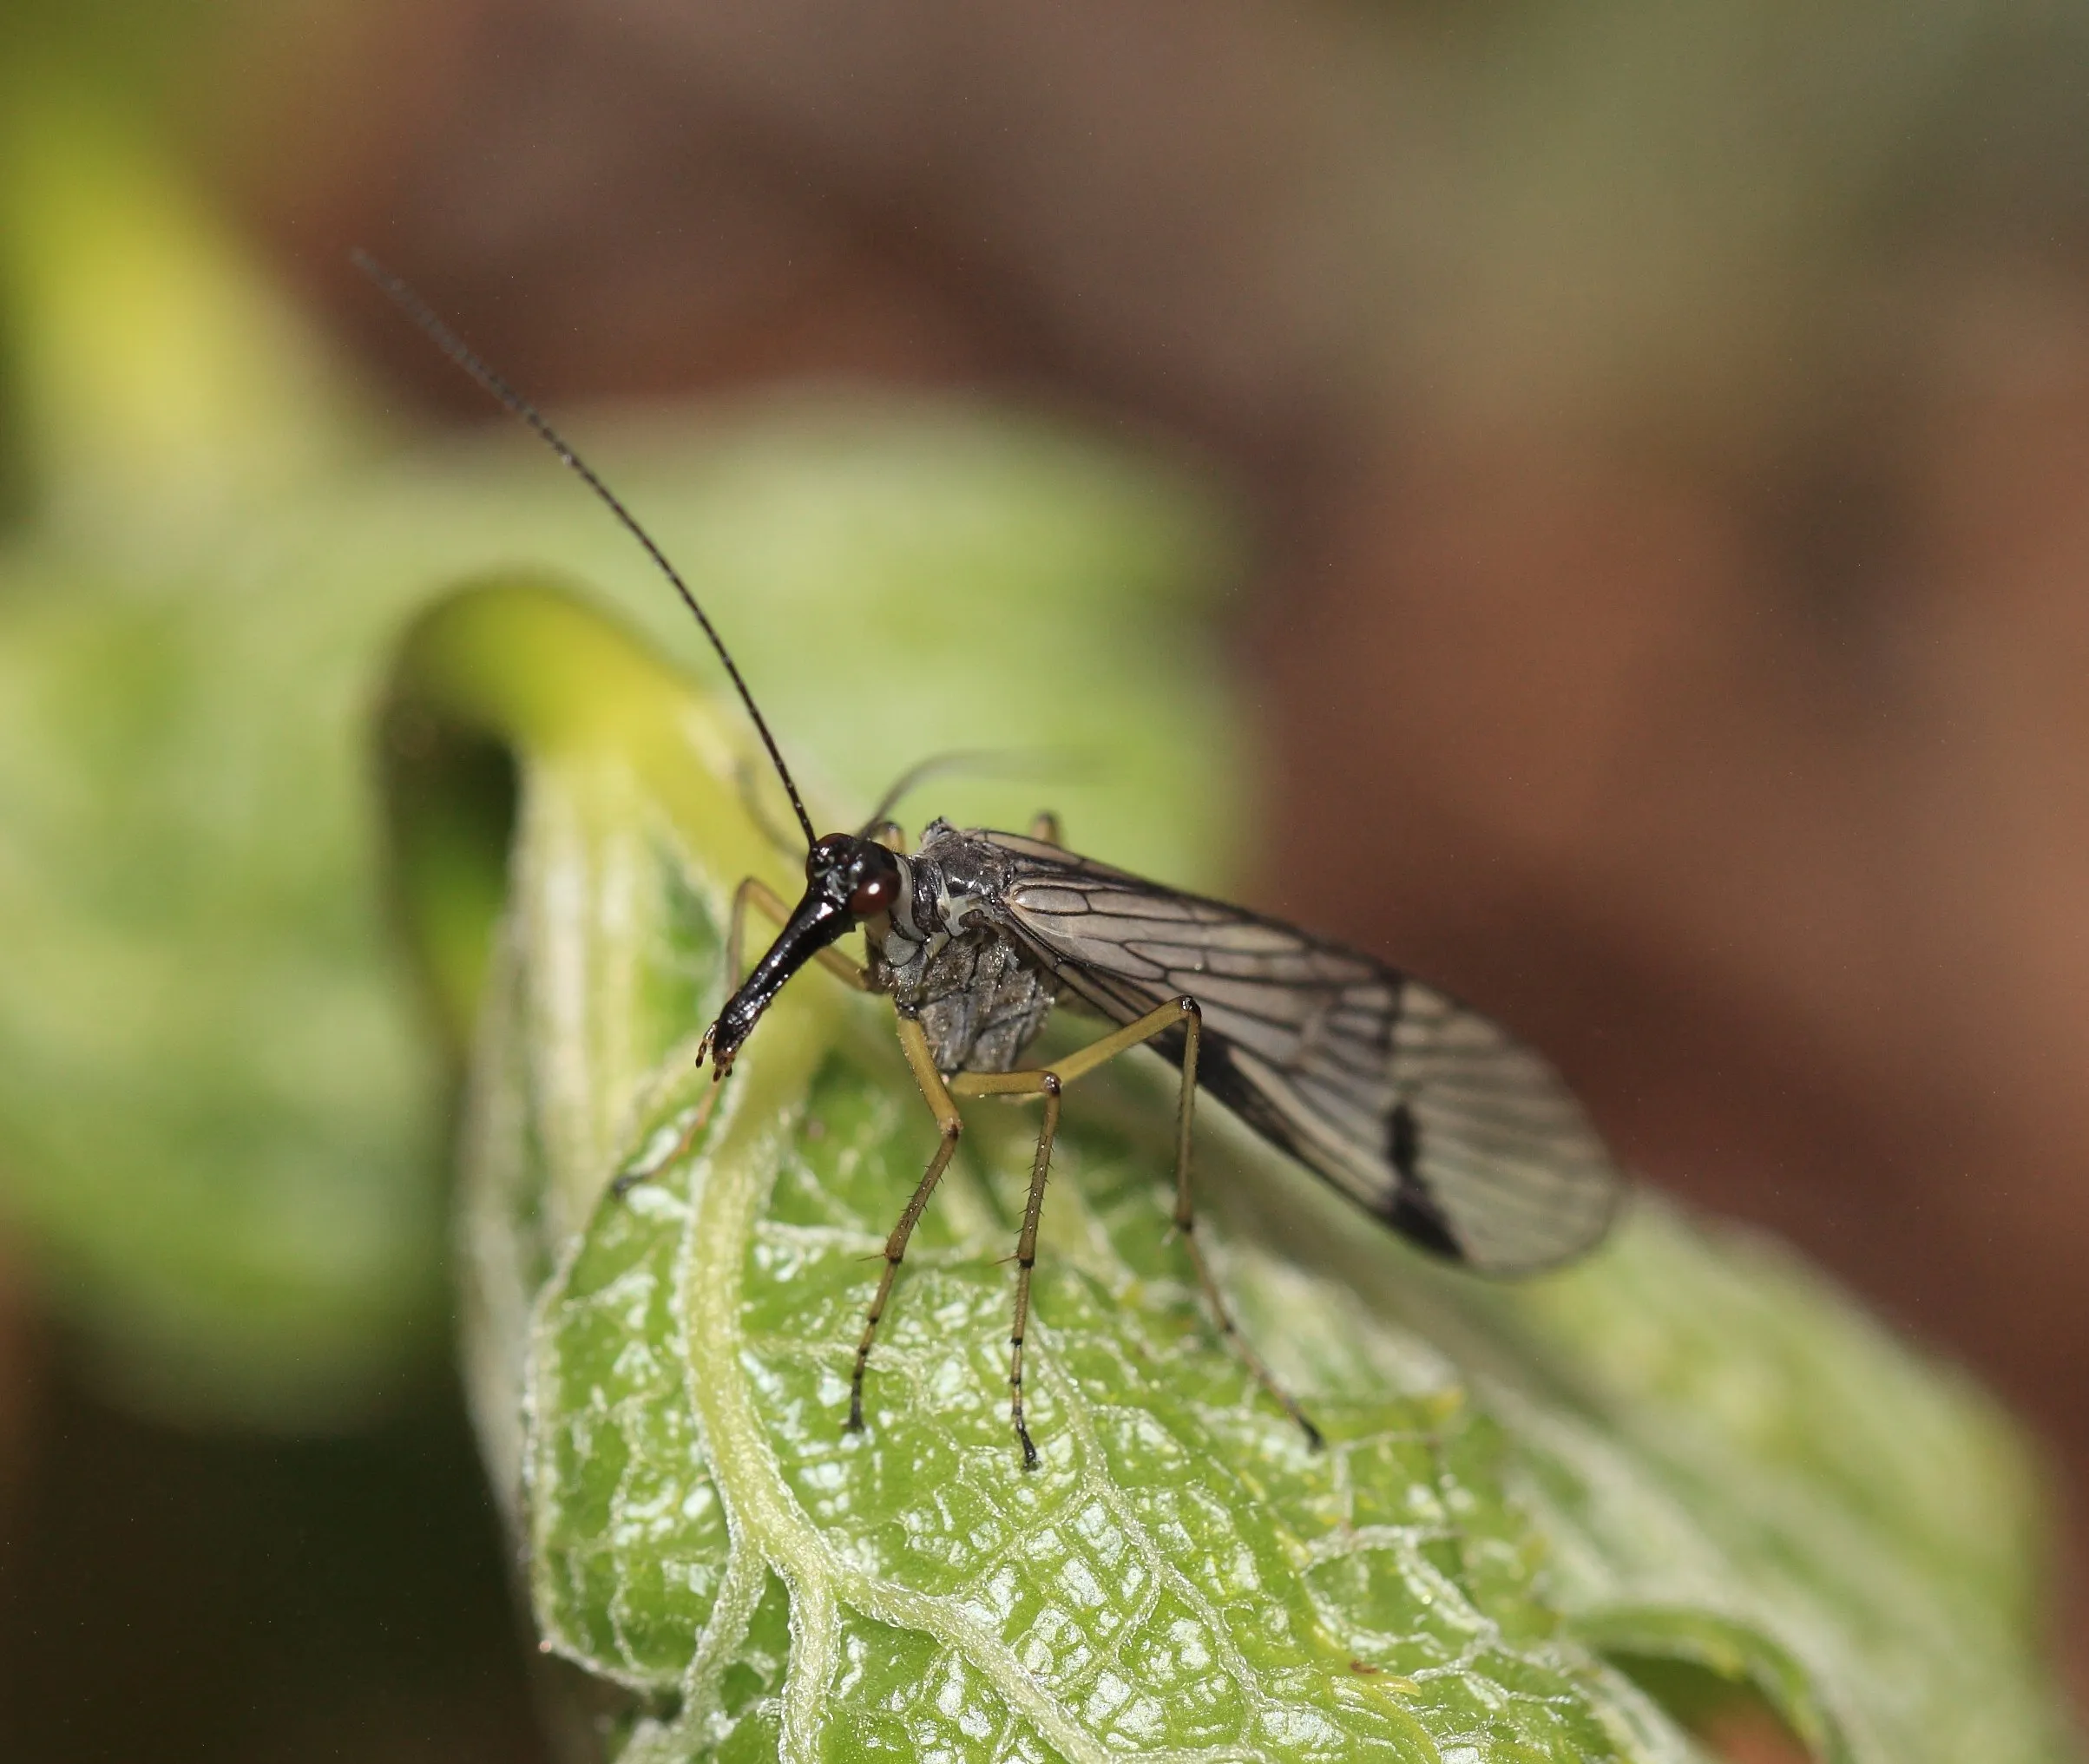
(848, 880)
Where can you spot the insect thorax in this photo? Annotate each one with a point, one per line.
(946, 955)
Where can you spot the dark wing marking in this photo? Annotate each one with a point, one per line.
(1421, 1111)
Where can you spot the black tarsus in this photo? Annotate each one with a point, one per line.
(460, 352)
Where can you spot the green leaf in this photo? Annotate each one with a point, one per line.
(1549, 1516)
(157, 386)
(190, 870)
(220, 1115)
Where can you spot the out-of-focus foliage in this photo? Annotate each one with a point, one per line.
(220, 1132)
(220, 1109)
(1687, 1459)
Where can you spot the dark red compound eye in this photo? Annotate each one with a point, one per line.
(874, 895)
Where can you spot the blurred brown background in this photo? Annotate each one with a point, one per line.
(1665, 430)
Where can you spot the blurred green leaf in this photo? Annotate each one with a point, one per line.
(1685, 1462)
(220, 1112)
(218, 1120)
(189, 867)
(156, 383)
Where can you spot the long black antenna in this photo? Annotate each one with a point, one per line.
(461, 353)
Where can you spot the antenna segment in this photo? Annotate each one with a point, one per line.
(460, 352)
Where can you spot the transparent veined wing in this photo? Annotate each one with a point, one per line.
(1423, 1113)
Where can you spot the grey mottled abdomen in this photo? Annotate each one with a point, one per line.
(980, 1005)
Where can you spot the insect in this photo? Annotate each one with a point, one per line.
(1423, 1113)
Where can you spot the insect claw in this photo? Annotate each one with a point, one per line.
(706, 1050)
(1029, 1452)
